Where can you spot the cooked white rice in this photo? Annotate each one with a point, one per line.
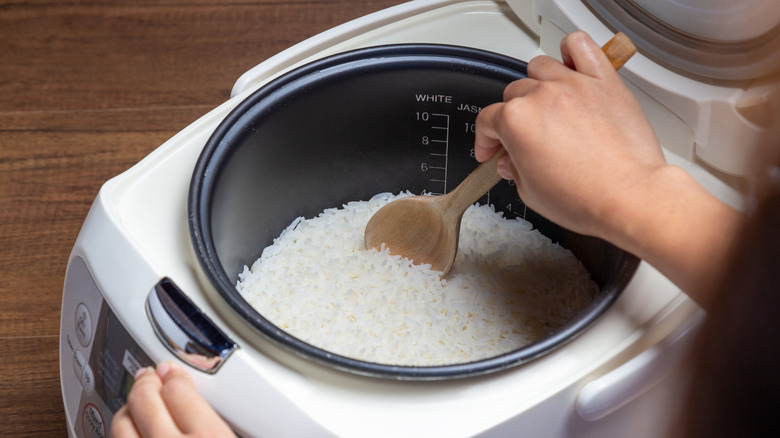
(509, 286)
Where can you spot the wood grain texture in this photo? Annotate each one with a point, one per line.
(87, 89)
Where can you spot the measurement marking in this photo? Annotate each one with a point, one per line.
(446, 142)
(440, 145)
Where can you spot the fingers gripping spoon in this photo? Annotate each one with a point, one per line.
(425, 229)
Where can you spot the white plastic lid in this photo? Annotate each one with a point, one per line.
(721, 40)
(718, 20)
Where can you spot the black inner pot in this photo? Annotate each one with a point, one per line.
(345, 128)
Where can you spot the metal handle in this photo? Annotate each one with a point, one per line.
(185, 330)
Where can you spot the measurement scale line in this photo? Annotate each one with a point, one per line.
(446, 150)
(443, 124)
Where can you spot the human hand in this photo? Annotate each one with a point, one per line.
(166, 403)
(576, 138)
(582, 154)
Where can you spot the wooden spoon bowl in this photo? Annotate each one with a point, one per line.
(426, 228)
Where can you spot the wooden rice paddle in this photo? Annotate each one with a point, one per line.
(425, 229)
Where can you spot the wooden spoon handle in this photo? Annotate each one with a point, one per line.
(619, 50)
(482, 179)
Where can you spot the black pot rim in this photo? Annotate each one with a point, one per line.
(207, 170)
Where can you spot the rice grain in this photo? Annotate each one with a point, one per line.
(510, 285)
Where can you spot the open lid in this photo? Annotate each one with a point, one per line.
(729, 40)
(728, 21)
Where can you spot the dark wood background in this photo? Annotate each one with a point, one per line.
(87, 89)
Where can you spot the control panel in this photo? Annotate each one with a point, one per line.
(98, 358)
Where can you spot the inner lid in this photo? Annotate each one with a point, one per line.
(731, 40)
(718, 20)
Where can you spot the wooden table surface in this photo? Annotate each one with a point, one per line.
(87, 89)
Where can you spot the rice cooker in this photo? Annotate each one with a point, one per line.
(387, 102)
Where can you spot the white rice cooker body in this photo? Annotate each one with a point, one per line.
(594, 386)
